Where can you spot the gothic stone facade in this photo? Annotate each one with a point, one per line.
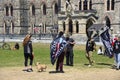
(74, 16)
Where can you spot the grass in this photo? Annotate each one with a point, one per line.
(15, 58)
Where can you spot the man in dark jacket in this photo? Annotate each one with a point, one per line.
(69, 52)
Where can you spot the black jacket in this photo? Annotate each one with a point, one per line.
(90, 45)
(70, 46)
(28, 47)
(116, 47)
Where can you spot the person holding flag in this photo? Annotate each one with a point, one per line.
(57, 51)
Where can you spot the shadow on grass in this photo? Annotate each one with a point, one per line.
(102, 64)
(86, 64)
(106, 64)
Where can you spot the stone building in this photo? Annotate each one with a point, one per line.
(46, 16)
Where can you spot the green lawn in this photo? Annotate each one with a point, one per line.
(11, 58)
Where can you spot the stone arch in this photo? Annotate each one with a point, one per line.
(112, 4)
(12, 27)
(11, 9)
(43, 2)
(64, 26)
(70, 26)
(108, 5)
(53, 2)
(55, 7)
(32, 9)
(43, 7)
(80, 5)
(90, 5)
(77, 26)
(6, 9)
(85, 5)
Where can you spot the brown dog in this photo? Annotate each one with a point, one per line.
(41, 67)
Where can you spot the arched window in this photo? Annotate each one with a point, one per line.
(7, 10)
(33, 10)
(108, 5)
(108, 21)
(80, 5)
(11, 10)
(77, 27)
(70, 26)
(64, 28)
(56, 8)
(112, 4)
(44, 9)
(85, 5)
(90, 4)
(12, 25)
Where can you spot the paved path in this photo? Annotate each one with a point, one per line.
(41, 41)
(16, 73)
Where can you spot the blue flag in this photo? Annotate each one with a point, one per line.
(57, 46)
(105, 37)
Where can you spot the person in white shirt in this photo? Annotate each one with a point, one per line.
(100, 51)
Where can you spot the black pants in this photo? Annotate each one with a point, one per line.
(28, 56)
(59, 64)
(69, 57)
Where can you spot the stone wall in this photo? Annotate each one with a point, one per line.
(24, 22)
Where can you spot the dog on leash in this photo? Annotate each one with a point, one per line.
(41, 67)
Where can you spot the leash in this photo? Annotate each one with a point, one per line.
(34, 60)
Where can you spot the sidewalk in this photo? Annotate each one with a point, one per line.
(33, 40)
(42, 41)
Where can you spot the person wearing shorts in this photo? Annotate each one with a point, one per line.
(90, 47)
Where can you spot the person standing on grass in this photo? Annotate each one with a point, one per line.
(116, 50)
(69, 52)
(90, 47)
(28, 53)
(60, 59)
(57, 51)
